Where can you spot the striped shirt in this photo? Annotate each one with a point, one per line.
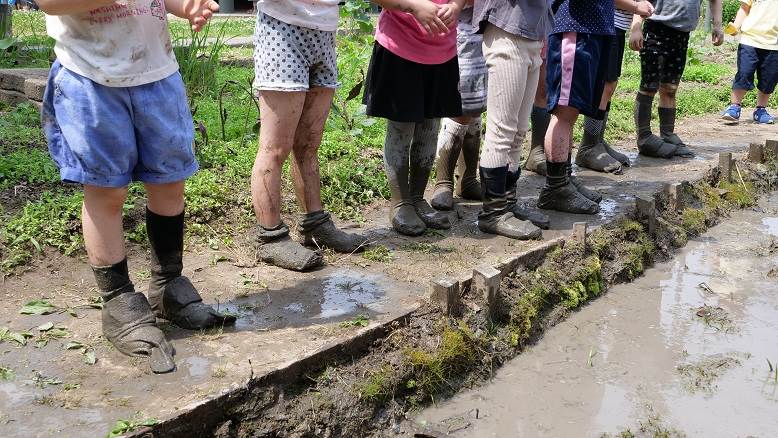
(622, 20)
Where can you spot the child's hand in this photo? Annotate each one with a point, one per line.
(198, 12)
(426, 13)
(636, 39)
(644, 8)
(449, 13)
(717, 36)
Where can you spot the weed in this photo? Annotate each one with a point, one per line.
(359, 321)
(741, 195)
(20, 338)
(427, 248)
(702, 375)
(378, 253)
(219, 373)
(123, 427)
(377, 387)
(715, 317)
(7, 373)
(432, 369)
(693, 221)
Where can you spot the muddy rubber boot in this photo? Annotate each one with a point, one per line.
(620, 157)
(402, 215)
(127, 319)
(495, 216)
(275, 247)
(648, 143)
(591, 153)
(520, 211)
(561, 195)
(467, 186)
(450, 139)
(536, 160)
(667, 132)
(319, 231)
(588, 193)
(171, 295)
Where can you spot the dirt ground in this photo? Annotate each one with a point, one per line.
(283, 316)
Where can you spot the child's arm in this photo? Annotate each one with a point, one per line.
(636, 33)
(644, 8)
(425, 12)
(198, 12)
(742, 13)
(717, 35)
(450, 11)
(71, 7)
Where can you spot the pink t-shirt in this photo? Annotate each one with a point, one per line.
(401, 34)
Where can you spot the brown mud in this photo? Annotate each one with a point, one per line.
(287, 318)
(642, 352)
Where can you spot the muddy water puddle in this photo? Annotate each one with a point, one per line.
(685, 350)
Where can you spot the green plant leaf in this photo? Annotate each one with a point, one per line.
(7, 373)
(46, 327)
(6, 43)
(90, 358)
(38, 307)
(72, 345)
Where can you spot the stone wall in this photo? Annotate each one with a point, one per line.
(19, 85)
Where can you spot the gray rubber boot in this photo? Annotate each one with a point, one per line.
(450, 139)
(520, 211)
(588, 193)
(591, 153)
(561, 195)
(621, 158)
(171, 295)
(536, 160)
(319, 231)
(127, 319)
(648, 143)
(467, 186)
(402, 216)
(496, 216)
(275, 247)
(422, 156)
(667, 132)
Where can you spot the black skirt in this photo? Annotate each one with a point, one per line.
(406, 91)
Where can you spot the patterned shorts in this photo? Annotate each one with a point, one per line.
(663, 56)
(293, 58)
(472, 66)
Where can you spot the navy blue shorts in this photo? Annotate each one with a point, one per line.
(108, 136)
(576, 66)
(762, 62)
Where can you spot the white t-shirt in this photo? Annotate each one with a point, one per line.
(123, 45)
(313, 14)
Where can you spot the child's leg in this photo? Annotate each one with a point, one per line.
(747, 61)
(171, 295)
(450, 139)
(315, 224)
(397, 146)
(102, 223)
(768, 79)
(422, 155)
(539, 118)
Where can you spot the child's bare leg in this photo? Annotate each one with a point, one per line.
(280, 113)
(102, 224)
(738, 94)
(559, 193)
(127, 319)
(166, 199)
(762, 99)
(315, 224)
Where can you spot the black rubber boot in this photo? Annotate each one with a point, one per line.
(522, 212)
(275, 247)
(452, 135)
(648, 143)
(496, 216)
(561, 195)
(128, 322)
(536, 160)
(467, 186)
(588, 193)
(319, 231)
(171, 295)
(667, 132)
(592, 155)
(621, 158)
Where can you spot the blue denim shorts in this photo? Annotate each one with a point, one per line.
(109, 136)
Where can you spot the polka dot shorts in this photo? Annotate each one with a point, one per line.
(663, 56)
(293, 58)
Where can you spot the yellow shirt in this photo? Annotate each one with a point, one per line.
(760, 28)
